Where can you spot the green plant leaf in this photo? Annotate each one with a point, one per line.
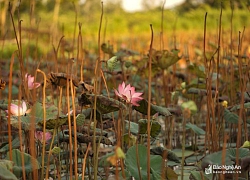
(104, 104)
(230, 156)
(131, 162)
(14, 90)
(201, 92)
(245, 106)
(129, 140)
(126, 172)
(133, 127)
(193, 159)
(164, 59)
(7, 164)
(25, 122)
(170, 174)
(80, 118)
(37, 113)
(246, 144)
(196, 175)
(143, 106)
(88, 113)
(126, 52)
(161, 110)
(189, 105)
(196, 83)
(106, 48)
(178, 152)
(196, 70)
(195, 128)
(171, 156)
(15, 144)
(230, 117)
(30, 163)
(4, 105)
(51, 111)
(111, 63)
(56, 150)
(155, 175)
(243, 152)
(52, 119)
(6, 174)
(107, 105)
(54, 123)
(83, 138)
(155, 127)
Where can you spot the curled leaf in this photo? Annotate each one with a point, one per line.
(56, 150)
(111, 63)
(143, 105)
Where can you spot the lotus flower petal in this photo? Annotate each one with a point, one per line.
(128, 94)
(18, 110)
(30, 80)
(39, 136)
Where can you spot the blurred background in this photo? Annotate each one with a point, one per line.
(125, 23)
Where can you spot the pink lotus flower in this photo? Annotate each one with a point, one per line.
(31, 84)
(128, 94)
(18, 110)
(39, 136)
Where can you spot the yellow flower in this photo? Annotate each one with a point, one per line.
(224, 103)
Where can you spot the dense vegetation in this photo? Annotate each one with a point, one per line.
(93, 92)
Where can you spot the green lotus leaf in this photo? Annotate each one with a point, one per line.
(54, 123)
(56, 150)
(171, 156)
(111, 63)
(133, 127)
(171, 174)
(237, 107)
(155, 127)
(196, 175)
(195, 128)
(190, 105)
(230, 117)
(30, 163)
(196, 70)
(104, 104)
(7, 164)
(201, 92)
(15, 145)
(141, 153)
(129, 140)
(6, 174)
(143, 108)
(164, 59)
(178, 152)
(230, 156)
(80, 119)
(37, 114)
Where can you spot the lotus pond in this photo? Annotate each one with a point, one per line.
(113, 111)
